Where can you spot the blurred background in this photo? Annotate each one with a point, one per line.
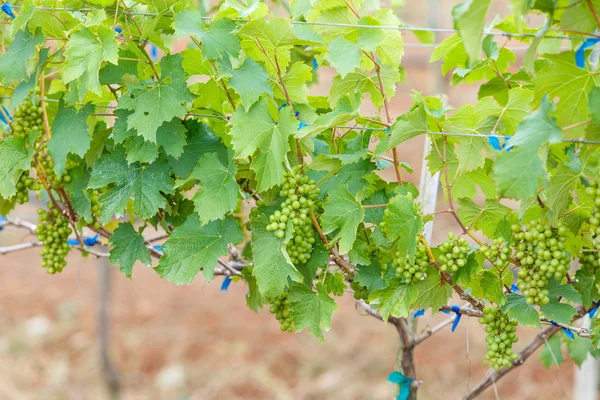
(196, 342)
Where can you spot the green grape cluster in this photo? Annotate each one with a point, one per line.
(500, 337)
(360, 292)
(301, 199)
(496, 253)
(55, 181)
(540, 249)
(24, 185)
(280, 307)
(415, 271)
(53, 231)
(94, 196)
(453, 253)
(591, 259)
(27, 117)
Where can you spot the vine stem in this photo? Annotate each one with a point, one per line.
(335, 254)
(593, 11)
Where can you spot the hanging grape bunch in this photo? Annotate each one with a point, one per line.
(24, 185)
(53, 231)
(27, 117)
(411, 272)
(496, 253)
(591, 259)
(453, 253)
(541, 252)
(280, 307)
(55, 181)
(301, 198)
(500, 337)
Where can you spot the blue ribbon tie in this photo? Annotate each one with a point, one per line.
(2, 220)
(315, 63)
(225, 284)
(592, 312)
(281, 107)
(419, 313)
(153, 52)
(580, 53)
(404, 383)
(566, 331)
(445, 311)
(8, 10)
(2, 118)
(456, 310)
(159, 247)
(90, 241)
(73, 242)
(302, 125)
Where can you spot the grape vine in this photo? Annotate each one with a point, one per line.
(245, 169)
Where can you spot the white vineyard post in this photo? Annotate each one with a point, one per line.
(585, 386)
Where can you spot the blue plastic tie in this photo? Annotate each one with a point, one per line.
(73, 242)
(496, 145)
(153, 52)
(2, 115)
(456, 310)
(297, 114)
(160, 247)
(225, 284)
(566, 331)
(445, 311)
(580, 53)
(8, 10)
(404, 383)
(118, 29)
(90, 241)
(315, 63)
(2, 219)
(419, 313)
(591, 313)
(302, 125)
(281, 107)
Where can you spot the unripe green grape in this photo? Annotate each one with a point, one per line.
(541, 252)
(415, 271)
(280, 307)
(53, 231)
(500, 337)
(454, 253)
(27, 117)
(301, 198)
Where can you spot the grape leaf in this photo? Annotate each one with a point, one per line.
(139, 150)
(485, 218)
(127, 247)
(295, 80)
(517, 308)
(396, 299)
(515, 109)
(559, 191)
(13, 160)
(594, 103)
(255, 134)
(403, 222)
(218, 190)
(552, 353)
(144, 182)
(217, 38)
(250, 81)
(342, 215)
(517, 172)
(559, 312)
(13, 63)
(567, 292)
(407, 127)
(254, 300)
(369, 276)
(571, 84)
(159, 103)
(491, 286)
(192, 247)
(88, 49)
(343, 55)
(469, 20)
(587, 287)
(272, 268)
(311, 310)
(434, 292)
(70, 134)
(579, 348)
(335, 284)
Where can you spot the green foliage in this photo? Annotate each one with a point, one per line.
(206, 144)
